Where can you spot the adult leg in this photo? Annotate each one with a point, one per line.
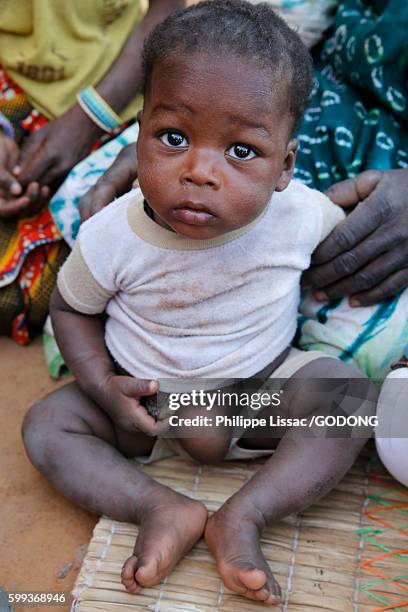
(301, 471)
(75, 445)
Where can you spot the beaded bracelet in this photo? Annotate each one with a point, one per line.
(98, 110)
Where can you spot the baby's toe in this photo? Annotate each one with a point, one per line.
(252, 579)
(128, 575)
(148, 573)
(260, 586)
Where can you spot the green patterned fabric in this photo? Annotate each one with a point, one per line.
(357, 116)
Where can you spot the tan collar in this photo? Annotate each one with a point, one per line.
(149, 231)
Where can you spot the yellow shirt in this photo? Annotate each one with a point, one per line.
(54, 48)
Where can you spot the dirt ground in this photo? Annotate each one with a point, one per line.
(43, 537)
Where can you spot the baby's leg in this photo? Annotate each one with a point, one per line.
(75, 445)
(302, 470)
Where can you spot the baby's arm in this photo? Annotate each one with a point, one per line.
(81, 341)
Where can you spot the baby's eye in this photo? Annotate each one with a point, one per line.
(241, 151)
(173, 139)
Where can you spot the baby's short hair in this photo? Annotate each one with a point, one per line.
(253, 31)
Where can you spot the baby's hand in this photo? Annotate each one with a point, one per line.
(120, 397)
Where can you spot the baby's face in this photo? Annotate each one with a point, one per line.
(213, 143)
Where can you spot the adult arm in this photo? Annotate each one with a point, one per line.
(50, 153)
(366, 255)
(116, 181)
(80, 338)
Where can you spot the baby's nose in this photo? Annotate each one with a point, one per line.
(201, 169)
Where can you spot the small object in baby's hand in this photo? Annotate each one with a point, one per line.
(152, 406)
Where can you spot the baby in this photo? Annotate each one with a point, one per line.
(199, 275)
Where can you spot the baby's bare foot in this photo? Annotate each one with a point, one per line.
(233, 538)
(168, 530)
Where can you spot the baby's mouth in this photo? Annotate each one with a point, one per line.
(193, 213)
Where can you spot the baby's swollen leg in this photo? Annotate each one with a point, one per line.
(302, 470)
(74, 444)
(290, 481)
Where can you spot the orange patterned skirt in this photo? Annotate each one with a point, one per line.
(31, 249)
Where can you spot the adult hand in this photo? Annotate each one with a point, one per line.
(116, 181)
(51, 152)
(14, 201)
(9, 153)
(120, 397)
(366, 255)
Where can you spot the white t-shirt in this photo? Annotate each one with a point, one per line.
(183, 308)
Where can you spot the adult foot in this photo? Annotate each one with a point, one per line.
(167, 531)
(233, 538)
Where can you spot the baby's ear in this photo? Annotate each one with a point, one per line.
(288, 165)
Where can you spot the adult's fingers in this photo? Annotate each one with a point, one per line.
(367, 216)
(9, 151)
(17, 207)
(34, 160)
(126, 161)
(388, 288)
(38, 196)
(354, 190)
(350, 261)
(9, 183)
(45, 192)
(95, 199)
(55, 174)
(34, 198)
(367, 277)
(116, 181)
(13, 208)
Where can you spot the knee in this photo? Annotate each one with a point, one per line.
(37, 429)
(350, 379)
(330, 386)
(358, 391)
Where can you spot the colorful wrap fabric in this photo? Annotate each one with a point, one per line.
(31, 249)
(357, 115)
